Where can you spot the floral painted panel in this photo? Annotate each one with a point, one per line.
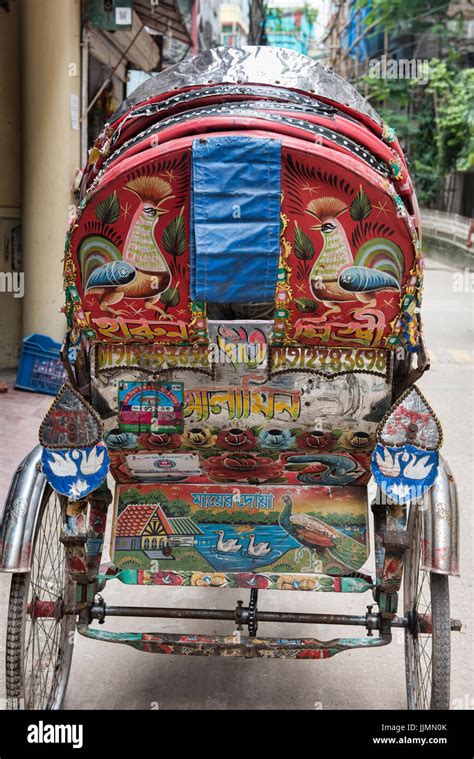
(249, 413)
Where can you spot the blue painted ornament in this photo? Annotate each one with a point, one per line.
(404, 473)
(75, 472)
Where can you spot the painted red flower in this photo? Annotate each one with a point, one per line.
(235, 439)
(314, 440)
(313, 654)
(97, 520)
(242, 466)
(165, 649)
(159, 441)
(159, 578)
(247, 580)
(167, 578)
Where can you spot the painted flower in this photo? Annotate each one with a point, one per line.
(247, 580)
(315, 439)
(242, 466)
(77, 488)
(164, 648)
(236, 439)
(357, 439)
(196, 639)
(208, 579)
(97, 521)
(310, 653)
(295, 582)
(159, 441)
(277, 439)
(160, 578)
(117, 438)
(199, 437)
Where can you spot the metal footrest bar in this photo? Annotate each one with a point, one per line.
(235, 645)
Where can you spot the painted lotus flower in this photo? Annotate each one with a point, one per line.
(314, 440)
(199, 437)
(159, 441)
(242, 466)
(235, 439)
(117, 439)
(276, 439)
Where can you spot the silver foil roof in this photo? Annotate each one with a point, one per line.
(258, 65)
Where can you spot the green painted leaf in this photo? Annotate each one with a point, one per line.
(174, 237)
(306, 305)
(108, 210)
(360, 206)
(304, 247)
(170, 297)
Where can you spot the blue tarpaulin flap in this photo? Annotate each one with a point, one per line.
(235, 219)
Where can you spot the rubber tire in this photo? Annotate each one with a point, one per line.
(15, 639)
(441, 642)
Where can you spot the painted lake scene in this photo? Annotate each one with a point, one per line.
(194, 527)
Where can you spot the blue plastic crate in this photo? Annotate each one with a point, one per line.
(40, 368)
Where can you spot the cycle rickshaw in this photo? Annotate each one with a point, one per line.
(243, 284)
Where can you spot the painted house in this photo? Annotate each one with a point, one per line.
(145, 527)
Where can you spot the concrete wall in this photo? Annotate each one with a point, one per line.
(10, 180)
(50, 31)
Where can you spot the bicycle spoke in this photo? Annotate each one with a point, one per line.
(44, 638)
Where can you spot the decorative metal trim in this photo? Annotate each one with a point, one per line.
(400, 399)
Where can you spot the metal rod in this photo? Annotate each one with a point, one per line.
(99, 612)
(145, 611)
(230, 614)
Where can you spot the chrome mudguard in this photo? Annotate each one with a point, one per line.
(20, 514)
(440, 549)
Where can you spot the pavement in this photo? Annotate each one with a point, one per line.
(118, 677)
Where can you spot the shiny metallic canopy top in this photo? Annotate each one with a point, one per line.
(258, 65)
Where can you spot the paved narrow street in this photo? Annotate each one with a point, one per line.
(117, 677)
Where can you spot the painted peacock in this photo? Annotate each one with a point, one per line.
(337, 275)
(306, 529)
(141, 271)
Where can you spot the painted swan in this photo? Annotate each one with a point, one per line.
(259, 549)
(227, 546)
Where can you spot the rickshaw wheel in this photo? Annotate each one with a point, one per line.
(427, 638)
(39, 648)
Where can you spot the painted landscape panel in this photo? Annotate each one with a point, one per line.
(240, 529)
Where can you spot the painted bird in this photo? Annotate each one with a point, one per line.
(141, 270)
(337, 275)
(307, 530)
